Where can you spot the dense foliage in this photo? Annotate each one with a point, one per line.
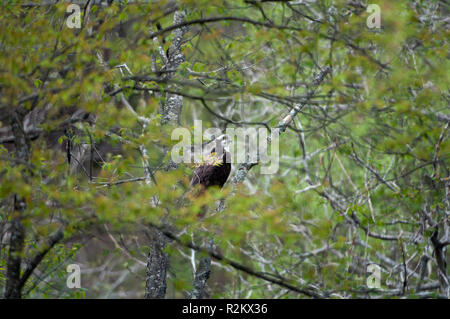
(85, 137)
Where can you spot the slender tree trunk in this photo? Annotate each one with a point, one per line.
(439, 252)
(16, 241)
(158, 260)
(157, 265)
(202, 274)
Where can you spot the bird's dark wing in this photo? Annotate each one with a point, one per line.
(211, 175)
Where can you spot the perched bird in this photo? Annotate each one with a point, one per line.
(216, 166)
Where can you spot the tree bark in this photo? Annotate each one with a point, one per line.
(202, 274)
(172, 108)
(16, 242)
(158, 260)
(157, 265)
(439, 252)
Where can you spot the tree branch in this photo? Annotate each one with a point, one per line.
(275, 279)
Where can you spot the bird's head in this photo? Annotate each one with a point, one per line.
(220, 150)
(223, 141)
